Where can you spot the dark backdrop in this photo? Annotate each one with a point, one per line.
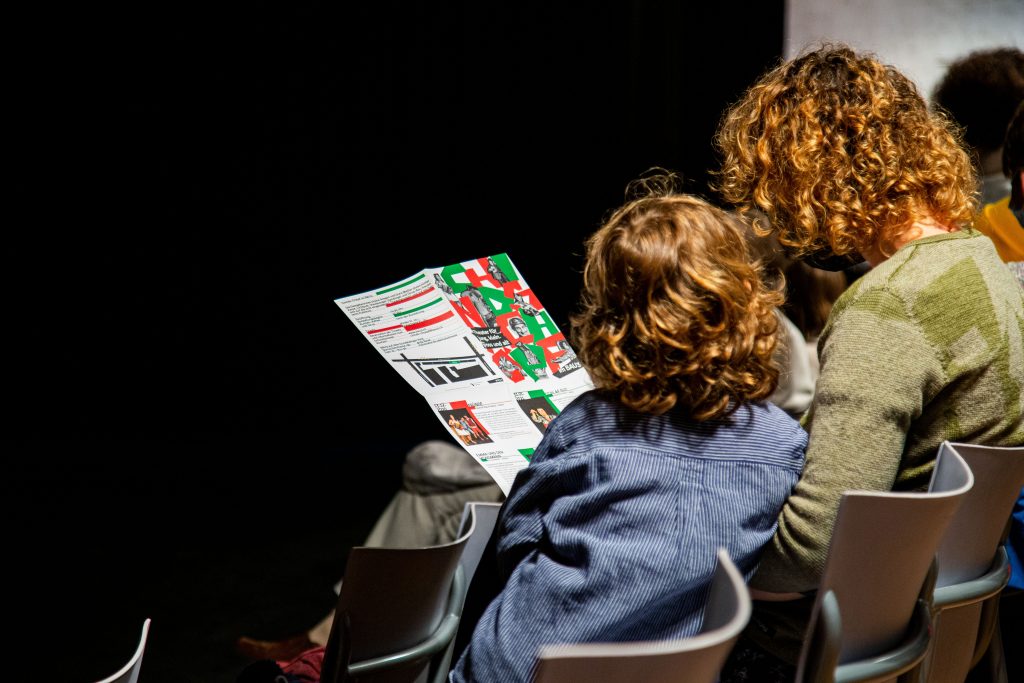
(194, 186)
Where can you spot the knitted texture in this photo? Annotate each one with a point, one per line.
(925, 347)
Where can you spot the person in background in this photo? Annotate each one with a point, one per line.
(809, 296)
(611, 532)
(1003, 221)
(438, 479)
(843, 158)
(980, 92)
(1009, 214)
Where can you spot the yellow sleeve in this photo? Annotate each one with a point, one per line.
(998, 223)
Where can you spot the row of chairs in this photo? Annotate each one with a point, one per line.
(910, 586)
(398, 609)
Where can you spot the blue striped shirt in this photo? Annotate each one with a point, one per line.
(610, 534)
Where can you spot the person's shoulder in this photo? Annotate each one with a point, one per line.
(768, 414)
(939, 260)
(589, 402)
(933, 291)
(585, 409)
(920, 276)
(999, 223)
(959, 276)
(755, 434)
(598, 419)
(782, 439)
(992, 216)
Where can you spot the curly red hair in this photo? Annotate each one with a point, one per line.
(840, 150)
(675, 311)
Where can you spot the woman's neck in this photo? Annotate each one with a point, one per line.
(925, 227)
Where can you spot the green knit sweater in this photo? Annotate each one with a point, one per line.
(927, 346)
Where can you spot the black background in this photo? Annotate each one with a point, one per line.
(193, 186)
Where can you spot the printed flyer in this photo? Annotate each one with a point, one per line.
(475, 341)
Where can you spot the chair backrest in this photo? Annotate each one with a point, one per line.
(883, 545)
(129, 673)
(391, 600)
(478, 521)
(977, 528)
(695, 660)
(972, 565)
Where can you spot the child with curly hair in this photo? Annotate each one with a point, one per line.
(842, 156)
(610, 534)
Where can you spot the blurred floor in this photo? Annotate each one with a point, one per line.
(210, 540)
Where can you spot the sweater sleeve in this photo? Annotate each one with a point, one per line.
(877, 368)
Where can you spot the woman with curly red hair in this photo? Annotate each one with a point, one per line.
(610, 533)
(841, 155)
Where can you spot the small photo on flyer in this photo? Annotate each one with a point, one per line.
(465, 427)
(540, 411)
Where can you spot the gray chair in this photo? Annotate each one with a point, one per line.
(129, 673)
(480, 518)
(478, 522)
(697, 659)
(973, 567)
(399, 608)
(871, 617)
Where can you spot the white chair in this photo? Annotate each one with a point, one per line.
(870, 619)
(129, 673)
(697, 659)
(973, 567)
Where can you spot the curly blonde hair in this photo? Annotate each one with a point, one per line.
(839, 150)
(674, 310)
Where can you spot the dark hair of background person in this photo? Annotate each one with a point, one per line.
(981, 92)
(810, 292)
(1013, 156)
